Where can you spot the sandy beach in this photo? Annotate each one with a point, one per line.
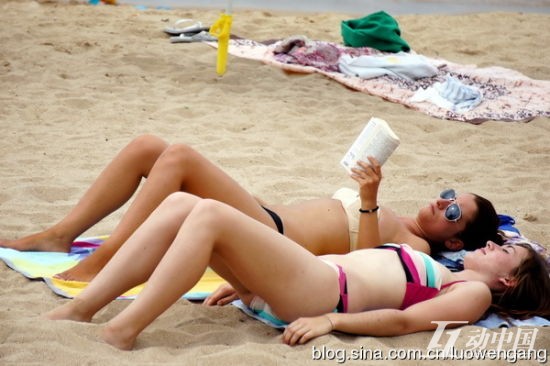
(80, 81)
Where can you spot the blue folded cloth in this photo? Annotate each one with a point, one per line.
(507, 223)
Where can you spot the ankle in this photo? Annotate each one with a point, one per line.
(60, 234)
(81, 311)
(119, 337)
(73, 310)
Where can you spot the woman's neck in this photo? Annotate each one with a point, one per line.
(470, 275)
(414, 227)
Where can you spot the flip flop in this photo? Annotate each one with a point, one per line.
(189, 26)
(203, 36)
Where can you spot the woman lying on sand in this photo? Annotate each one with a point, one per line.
(322, 226)
(386, 291)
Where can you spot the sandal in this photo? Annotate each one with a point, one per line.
(199, 37)
(180, 27)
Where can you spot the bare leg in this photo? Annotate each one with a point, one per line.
(113, 187)
(179, 168)
(133, 264)
(260, 260)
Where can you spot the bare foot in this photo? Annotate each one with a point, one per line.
(45, 241)
(85, 270)
(118, 338)
(90, 266)
(71, 310)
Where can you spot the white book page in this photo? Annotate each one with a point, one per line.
(377, 139)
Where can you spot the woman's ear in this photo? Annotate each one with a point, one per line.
(508, 281)
(454, 244)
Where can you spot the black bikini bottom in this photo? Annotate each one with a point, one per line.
(276, 219)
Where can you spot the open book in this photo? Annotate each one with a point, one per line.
(377, 140)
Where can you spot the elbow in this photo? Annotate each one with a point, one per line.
(403, 325)
(398, 325)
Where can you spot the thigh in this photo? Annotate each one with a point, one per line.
(220, 267)
(261, 261)
(205, 179)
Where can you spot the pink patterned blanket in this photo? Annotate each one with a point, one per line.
(507, 94)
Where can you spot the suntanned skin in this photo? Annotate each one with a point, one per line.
(301, 288)
(319, 225)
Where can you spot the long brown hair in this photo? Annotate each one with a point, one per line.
(530, 296)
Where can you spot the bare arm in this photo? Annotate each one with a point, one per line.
(368, 177)
(392, 322)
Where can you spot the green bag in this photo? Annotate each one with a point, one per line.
(377, 30)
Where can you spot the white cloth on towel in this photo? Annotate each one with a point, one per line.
(452, 95)
(402, 64)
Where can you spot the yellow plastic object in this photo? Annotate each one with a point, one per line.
(221, 29)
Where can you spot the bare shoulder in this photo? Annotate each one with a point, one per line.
(451, 300)
(418, 243)
(395, 229)
(473, 288)
(465, 301)
(471, 285)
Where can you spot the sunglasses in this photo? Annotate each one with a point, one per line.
(452, 212)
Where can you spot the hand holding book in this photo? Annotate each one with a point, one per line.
(377, 140)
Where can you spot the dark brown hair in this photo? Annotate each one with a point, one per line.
(483, 227)
(530, 296)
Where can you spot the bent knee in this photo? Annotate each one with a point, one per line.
(180, 155)
(211, 207)
(179, 203)
(177, 200)
(149, 146)
(213, 213)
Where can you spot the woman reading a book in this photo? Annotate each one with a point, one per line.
(322, 226)
(363, 292)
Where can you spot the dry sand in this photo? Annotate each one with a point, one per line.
(79, 82)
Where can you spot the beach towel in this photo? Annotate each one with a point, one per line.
(505, 94)
(44, 265)
(492, 321)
